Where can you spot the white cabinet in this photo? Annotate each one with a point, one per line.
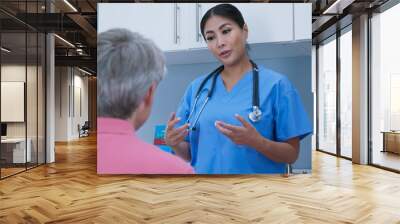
(159, 22)
(176, 26)
(302, 21)
(266, 22)
(190, 26)
(193, 32)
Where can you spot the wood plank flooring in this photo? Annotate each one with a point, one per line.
(387, 159)
(70, 191)
(10, 171)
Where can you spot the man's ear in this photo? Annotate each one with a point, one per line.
(148, 99)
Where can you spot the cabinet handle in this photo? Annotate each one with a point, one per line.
(176, 14)
(293, 23)
(178, 25)
(197, 21)
(175, 23)
(198, 12)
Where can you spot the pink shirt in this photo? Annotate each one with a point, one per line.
(120, 151)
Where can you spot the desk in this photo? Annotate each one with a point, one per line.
(16, 147)
(391, 141)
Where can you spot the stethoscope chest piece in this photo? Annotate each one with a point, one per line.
(255, 115)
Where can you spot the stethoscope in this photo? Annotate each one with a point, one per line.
(254, 116)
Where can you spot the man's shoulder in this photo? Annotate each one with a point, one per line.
(168, 162)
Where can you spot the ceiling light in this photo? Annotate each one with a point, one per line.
(70, 5)
(338, 6)
(65, 41)
(5, 50)
(86, 72)
(79, 51)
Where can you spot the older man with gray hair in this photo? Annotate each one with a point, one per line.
(129, 70)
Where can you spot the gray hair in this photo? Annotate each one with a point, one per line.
(128, 64)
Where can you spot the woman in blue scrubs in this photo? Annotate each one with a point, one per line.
(224, 140)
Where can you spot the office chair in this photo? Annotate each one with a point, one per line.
(84, 130)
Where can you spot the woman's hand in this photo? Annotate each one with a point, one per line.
(241, 135)
(285, 152)
(174, 136)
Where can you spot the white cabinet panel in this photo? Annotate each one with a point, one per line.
(262, 20)
(189, 25)
(193, 34)
(177, 26)
(268, 22)
(302, 21)
(154, 21)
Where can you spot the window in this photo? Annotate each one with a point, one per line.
(327, 96)
(22, 68)
(346, 92)
(385, 89)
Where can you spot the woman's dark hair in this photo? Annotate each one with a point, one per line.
(224, 10)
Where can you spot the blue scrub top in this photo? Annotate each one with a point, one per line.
(283, 117)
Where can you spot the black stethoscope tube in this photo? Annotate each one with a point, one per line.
(254, 116)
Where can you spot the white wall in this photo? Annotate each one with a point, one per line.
(71, 94)
(12, 73)
(80, 109)
(61, 103)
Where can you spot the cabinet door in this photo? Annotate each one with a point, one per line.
(188, 25)
(268, 22)
(192, 34)
(302, 21)
(158, 22)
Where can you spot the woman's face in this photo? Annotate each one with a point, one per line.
(225, 39)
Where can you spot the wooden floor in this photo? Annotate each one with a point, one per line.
(10, 171)
(387, 159)
(5, 172)
(70, 191)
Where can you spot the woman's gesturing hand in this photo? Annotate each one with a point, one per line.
(240, 135)
(174, 136)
